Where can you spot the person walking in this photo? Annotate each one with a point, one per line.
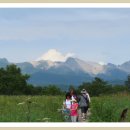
(74, 110)
(67, 106)
(84, 100)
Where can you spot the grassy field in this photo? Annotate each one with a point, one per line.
(109, 108)
(44, 108)
(30, 109)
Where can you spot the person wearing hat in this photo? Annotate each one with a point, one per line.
(74, 110)
(84, 100)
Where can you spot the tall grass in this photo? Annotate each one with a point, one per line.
(109, 108)
(44, 108)
(38, 109)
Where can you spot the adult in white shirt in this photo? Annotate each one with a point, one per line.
(67, 106)
(67, 103)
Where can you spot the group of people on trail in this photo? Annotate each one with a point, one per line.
(75, 103)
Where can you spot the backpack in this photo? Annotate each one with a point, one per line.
(86, 99)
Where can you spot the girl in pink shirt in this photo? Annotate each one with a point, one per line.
(74, 111)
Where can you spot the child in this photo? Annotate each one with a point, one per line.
(74, 110)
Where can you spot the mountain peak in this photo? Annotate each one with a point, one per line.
(54, 55)
(3, 60)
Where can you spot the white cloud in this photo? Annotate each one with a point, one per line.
(54, 55)
(101, 63)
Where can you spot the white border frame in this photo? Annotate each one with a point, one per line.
(73, 125)
(64, 5)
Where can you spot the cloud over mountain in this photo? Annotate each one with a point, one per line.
(54, 55)
(54, 67)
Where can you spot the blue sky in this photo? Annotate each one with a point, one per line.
(100, 35)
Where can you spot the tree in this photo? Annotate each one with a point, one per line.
(127, 83)
(12, 81)
(52, 90)
(86, 86)
(96, 87)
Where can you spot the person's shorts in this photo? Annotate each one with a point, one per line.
(84, 109)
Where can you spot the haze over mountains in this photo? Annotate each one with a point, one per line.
(56, 68)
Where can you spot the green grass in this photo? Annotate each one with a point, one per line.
(44, 108)
(40, 108)
(109, 108)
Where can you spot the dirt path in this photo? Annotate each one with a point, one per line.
(81, 119)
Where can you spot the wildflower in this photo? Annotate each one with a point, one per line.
(21, 103)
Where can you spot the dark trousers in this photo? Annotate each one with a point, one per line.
(84, 109)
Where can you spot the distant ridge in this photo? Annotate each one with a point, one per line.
(68, 69)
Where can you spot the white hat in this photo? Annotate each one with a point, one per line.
(83, 91)
(73, 100)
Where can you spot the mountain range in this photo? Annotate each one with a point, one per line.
(66, 70)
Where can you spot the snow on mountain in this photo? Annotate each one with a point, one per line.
(90, 67)
(54, 59)
(54, 55)
(66, 69)
(43, 64)
(101, 63)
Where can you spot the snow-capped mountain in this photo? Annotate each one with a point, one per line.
(55, 60)
(73, 64)
(54, 67)
(54, 55)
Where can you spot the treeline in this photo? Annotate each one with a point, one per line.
(100, 87)
(13, 82)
